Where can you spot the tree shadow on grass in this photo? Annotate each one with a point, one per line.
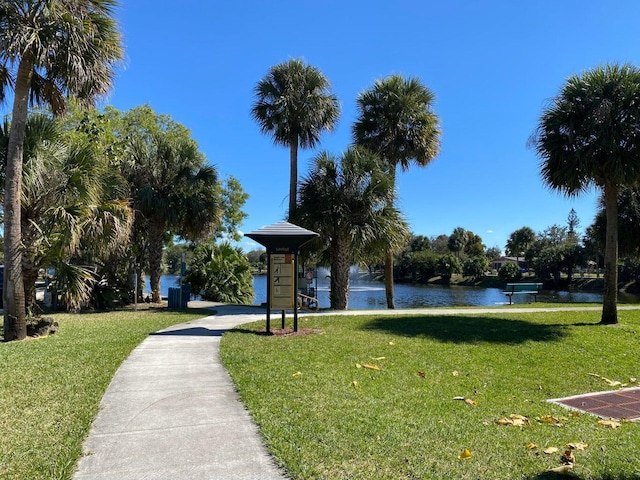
(469, 329)
(577, 476)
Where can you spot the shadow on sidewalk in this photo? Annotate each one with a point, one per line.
(190, 332)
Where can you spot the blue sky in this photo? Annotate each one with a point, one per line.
(492, 65)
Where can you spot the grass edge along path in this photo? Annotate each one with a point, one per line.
(385, 397)
(51, 387)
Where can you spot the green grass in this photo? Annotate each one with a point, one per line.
(50, 388)
(324, 418)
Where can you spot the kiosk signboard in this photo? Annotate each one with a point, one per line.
(282, 281)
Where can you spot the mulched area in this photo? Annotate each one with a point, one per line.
(619, 404)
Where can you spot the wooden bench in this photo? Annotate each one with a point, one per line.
(516, 288)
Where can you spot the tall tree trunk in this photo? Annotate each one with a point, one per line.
(156, 244)
(15, 326)
(388, 259)
(388, 279)
(610, 294)
(293, 176)
(340, 266)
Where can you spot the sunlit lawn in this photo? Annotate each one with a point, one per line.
(324, 414)
(50, 388)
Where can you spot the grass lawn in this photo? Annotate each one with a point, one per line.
(50, 388)
(372, 397)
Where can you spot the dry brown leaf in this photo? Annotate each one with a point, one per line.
(455, 373)
(519, 420)
(371, 366)
(465, 454)
(567, 458)
(504, 421)
(550, 450)
(565, 470)
(358, 365)
(422, 374)
(471, 402)
(355, 383)
(297, 374)
(531, 446)
(609, 423)
(577, 445)
(378, 358)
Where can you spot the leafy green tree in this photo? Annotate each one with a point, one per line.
(519, 242)
(50, 50)
(173, 190)
(589, 135)
(220, 273)
(447, 266)
(474, 246)
(509, 272)
(396, 121)
(492, 253)
(348, 202)
(294, 104)
(233, 198)
(457, 241)
(475, 267)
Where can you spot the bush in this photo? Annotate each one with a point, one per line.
(475, 266)
(509, 271)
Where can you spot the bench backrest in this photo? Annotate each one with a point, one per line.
(523, 287)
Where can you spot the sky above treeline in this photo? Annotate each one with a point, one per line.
(492, 65)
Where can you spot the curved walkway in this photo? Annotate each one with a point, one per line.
(171, 410)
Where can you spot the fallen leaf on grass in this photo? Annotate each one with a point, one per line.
(378, 358)
(465, 454)
(577, 445)
(555, 421)
(609, 423)
(515, 420)
(531, 446)
(550, 450)
(358, 365)
(455, 373)
(392, 343)
(567, 458)
(565, 470)
(371, 366)
(471, 402)
(422, 374)
(355, 383)
(297, 374)
(611, 383)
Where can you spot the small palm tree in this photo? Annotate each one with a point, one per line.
(50, 49)
(347, 201)
(293, 104)
(589, 135)
(395, 120)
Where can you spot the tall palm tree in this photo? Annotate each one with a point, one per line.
(293, 103)
(173, 191)
(48, 49)
(395, 120)
(589, 135)
(348, 202)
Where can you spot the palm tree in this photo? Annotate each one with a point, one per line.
(173, 191)
(395, 121)
(293, 104)
(348, 202)
(589, 135)
(49, 49)
(70, 206)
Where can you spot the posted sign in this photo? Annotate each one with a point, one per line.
(281, 281)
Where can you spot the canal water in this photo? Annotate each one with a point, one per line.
(371, 295)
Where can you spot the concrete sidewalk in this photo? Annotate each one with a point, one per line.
(171, 412)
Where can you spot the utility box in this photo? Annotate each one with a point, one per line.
(179, 297)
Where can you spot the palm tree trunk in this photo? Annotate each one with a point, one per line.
(388, 279)
(610, 294)
(340, 266)
(156, 244)
(15, 326)
(293, 176)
